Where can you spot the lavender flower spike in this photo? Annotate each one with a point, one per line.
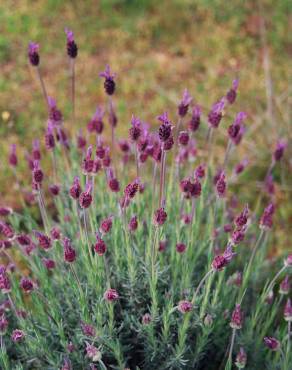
(96, 123)
(241, 359)
(33, 54)
(272, 343)
(85, 198)
(49, 137)
(165, 128)
(224, 259)
(136, 130)
(266, 221)
(279, 151)
(195, 120)
(216, 113)
(55, 115)
(12, 156)
(237, 318)
(184, 104)
(232, 93)
(288, 261)
(109, 83)
(72, 49)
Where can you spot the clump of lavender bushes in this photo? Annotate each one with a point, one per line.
(141, 257)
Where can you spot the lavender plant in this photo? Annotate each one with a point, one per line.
(140, 258)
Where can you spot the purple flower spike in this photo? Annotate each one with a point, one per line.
(92, 352)
(55, 115)
(37, 173)
(284, 286)
(48, 263)
(132, 188)
(160, 217)
(111, 295)
(146, 319)
(88, 162)
(43, 240)
(133, 224)
(136, 130)
(81, 140)
(88, 330)
(85, 198)
(72, 49)
(200, 171)
(232, 93)
(75, 189)
(242, 218)
(6, 230)
(183, 138)
(266, 221)
(69, 251)
(106, 225)
(237, 129)
(184, 104)
(272, 343)
(288, 261)
(241, 359)
(237, 236)
(109, 83)
(221, 185)
(49, 137)
(27, 285)
(240, 167)
(180, 247)
(33, 54)
(224, 259)
(5, 211)
(215, 115)
(279, 151)
(100, 246)
(96, 123)
(36, 154)
(12, 156)
(236, 318)
(166, 127)
(185, 306)
(54, 189)
(17, 335)
(195, 121)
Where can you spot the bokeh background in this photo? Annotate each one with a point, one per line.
(157, 48)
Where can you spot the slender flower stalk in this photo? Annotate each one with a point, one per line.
(43, 86)
(201, 284)
(272, 283)
(162, 178)
(34, 58)
(229, 361)
(246, 275)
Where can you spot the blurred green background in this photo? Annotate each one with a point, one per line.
(157, 49)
